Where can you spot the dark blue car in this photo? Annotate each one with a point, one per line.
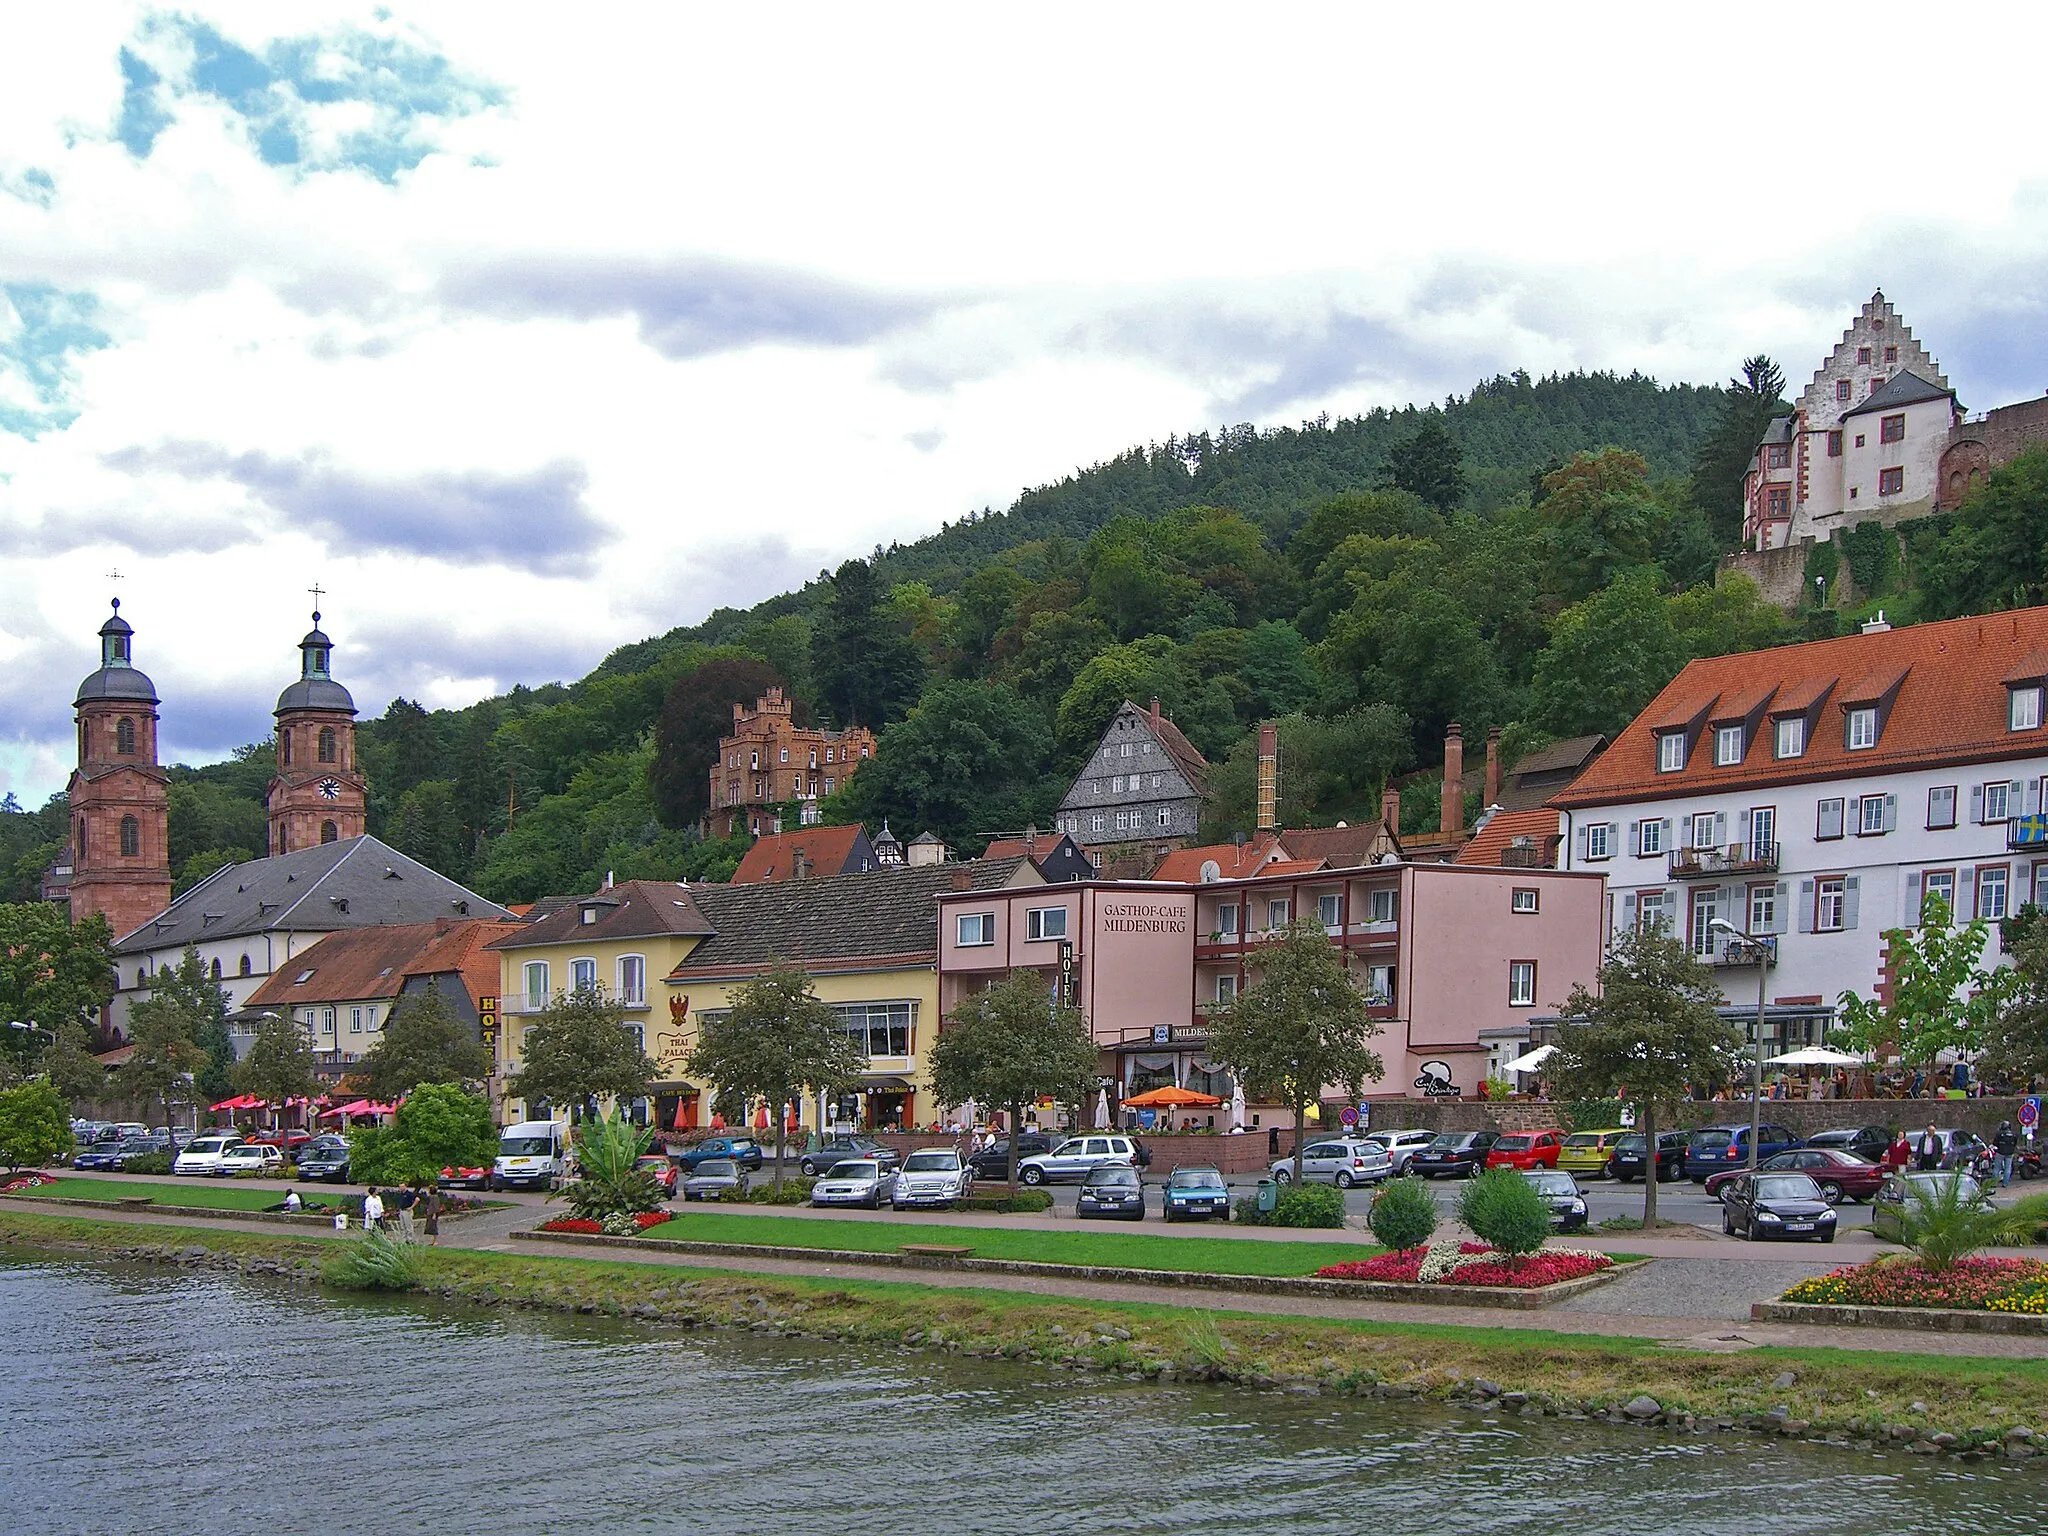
(744, 1150)
(1715, 1149)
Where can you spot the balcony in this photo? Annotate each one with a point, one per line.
(1734, 859)
(1724, 951)
(2027, 831)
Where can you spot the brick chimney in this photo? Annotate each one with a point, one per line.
(1155, 709)
(1492, 768)
(1269, 778)
(799, 865)
(1390, 810)
(1453, 820)
(963, 878)
(1031, 841)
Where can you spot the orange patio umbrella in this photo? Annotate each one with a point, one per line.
(1170, 1097)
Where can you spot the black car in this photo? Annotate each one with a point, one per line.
(326, 1163)
(109, 1155)
(744, 1150)
(1866, 1141)
(1462, 1154)
(993, 1162)
(1114, 1189)
(846, 1149)
(1561, 1192)
(1626, 1163)
(1760, 1205)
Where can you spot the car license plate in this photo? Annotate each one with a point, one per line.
(1798, 1226)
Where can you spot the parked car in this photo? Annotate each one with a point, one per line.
(864, 1181)
(1713, 1148)
(993, 1162)
(534, 1153)
(744, 1150)
(932, 1176)
(451, 1177)
(1458, 1153)
(842, 1149)
(1866, 1141)
(1112, 1189)
(203, 1154)
(287, 1142)
(715, 1178)
(1526, 1150)
(661, 1170)
(1892, 1207)
(107, 1156)
(1561, 1192)
(328, 1164)
(1195, 1192)
(1401, 1145)
(1076, 1157)
(1342, 1161)
(1840, 1175)
(1759, 1205)
(255, 1158)
(86, 1132)
(1588, 1153)
(130, 1130)
(1625, 1164)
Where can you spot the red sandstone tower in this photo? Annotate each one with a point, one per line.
(318, 794)
(120, 797)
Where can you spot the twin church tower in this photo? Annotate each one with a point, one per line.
(120, 794)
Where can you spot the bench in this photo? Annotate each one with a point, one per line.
(134, 1202)
(933, 1253)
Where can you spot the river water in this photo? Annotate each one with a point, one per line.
(144, 1400)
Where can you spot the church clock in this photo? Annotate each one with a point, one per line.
(330, 789)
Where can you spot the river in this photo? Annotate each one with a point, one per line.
(145, 1400)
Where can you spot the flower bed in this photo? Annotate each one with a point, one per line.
(578, 1224)
(25, 1181)
(1470, 1263)
(1971, 1285)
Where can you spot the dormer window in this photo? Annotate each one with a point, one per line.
(2023, 709)
(1728, 746)
(1671, 752)
(1792, 736)
(1862, 728)
(589, 916)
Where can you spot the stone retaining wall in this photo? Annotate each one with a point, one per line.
(1804, 1116)
(1916, 1319)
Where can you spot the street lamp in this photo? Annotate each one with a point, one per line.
(1762, 951)
(17, 1024)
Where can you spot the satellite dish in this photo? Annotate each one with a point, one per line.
(1211, 872)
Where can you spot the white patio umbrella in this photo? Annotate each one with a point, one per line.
(1529, 1061)
(1815, 1056)
(1237, 1110)
(1102, 1108)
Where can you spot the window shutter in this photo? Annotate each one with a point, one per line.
(1891, 813)
(1628, 910)
(1806, 906)
(1582, 845)
(2013, 791)
(1635, 838)
(1742, 827)
(2033, 807)
(1911, 916)
(1780, 915)
(1851, 899)
(1966, 894)
(1666, 841)
(1977, 804)
(1720, 829)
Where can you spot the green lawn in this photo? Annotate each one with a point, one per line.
(1123, 1250)
(210, 1194)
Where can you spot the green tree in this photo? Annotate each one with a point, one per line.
(1050, 652)
(440, 1125)
(577, 1050)
(1301, 1026)
(1602, 519)
(1649, 1033)
(2018, 1038)
(52, 973)
(1725, 617)
(1608, 656)
(1138, 672)
(985, 605)
(1723, 456)
(969, 761)
(279, 1066)
(1374, 514)
(1330, 770)
(203, 1003)
(1012, 1045)
(1995, 556)
(423, 1042)
(1942, 997)
(696, 712)
(427, 827)
(1429, 465)
(1276, 668)
(776, 1041)
(33, 1129)
(867, 671)
(165, 1058)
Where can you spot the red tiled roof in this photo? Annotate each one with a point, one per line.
(772, 858)
(1539, 826)
(1339, 847)
(349, 965)
(1234, 860)
(632, 909)
(460, 951)
(1949, 708)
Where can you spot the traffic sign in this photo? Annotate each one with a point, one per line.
(2030, 1113)
(1349, 1116)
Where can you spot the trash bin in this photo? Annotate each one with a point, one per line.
(1269, 1196)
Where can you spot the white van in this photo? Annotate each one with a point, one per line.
(204, 1155)
(531, 1155)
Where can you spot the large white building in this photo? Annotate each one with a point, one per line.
(1863, 443)
(1819, 793)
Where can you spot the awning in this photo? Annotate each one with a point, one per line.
(884, 1085)
(1529, 1061)
(1816, 1056)
(239, 1101)
(1172, 1098)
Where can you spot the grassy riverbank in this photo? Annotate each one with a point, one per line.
(199, 1194)
(1845, 1394)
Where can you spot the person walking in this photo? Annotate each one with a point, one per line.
(373, 1210)
(1899, 1155)
(1930, 1149)
(2003, 1145)
(433, 1204)
(403, 1201)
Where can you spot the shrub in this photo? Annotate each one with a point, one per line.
(374, 1262)
(151, 1162)
(1502, 1208)
(33, 1129)
(1403, 1216)
(1946, 1226)
(1311, 1205)
(608, 1151)
(1025, 1200)
(795, 1190)
(1592, 1114)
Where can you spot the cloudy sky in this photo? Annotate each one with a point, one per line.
(528, 331)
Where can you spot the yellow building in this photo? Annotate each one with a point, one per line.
(673, 953)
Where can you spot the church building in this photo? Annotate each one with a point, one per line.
(119, 794)
(318, 795)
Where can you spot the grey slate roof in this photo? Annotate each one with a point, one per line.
(316, 693)
(836, 917)
(1905, 389)
(356, 883)
(632, 909)
(117, 683)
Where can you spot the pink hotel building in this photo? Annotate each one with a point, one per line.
(1455, 959)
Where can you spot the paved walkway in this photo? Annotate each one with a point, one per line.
(1689, 1300)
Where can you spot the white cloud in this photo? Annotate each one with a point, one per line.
(556, 330)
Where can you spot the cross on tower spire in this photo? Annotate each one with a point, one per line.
(317, 592)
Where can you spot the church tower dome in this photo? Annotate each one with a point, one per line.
(119, 795)
(318, 794)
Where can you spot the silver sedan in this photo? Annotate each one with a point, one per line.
(932, 1176)
(857, 1181)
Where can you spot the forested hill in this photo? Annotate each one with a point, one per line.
(1362, 580)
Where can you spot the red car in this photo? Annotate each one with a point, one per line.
(465, 1178)
(287, 1142)
(1840, 1175)
(1526, 1149)
(663, 1171)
